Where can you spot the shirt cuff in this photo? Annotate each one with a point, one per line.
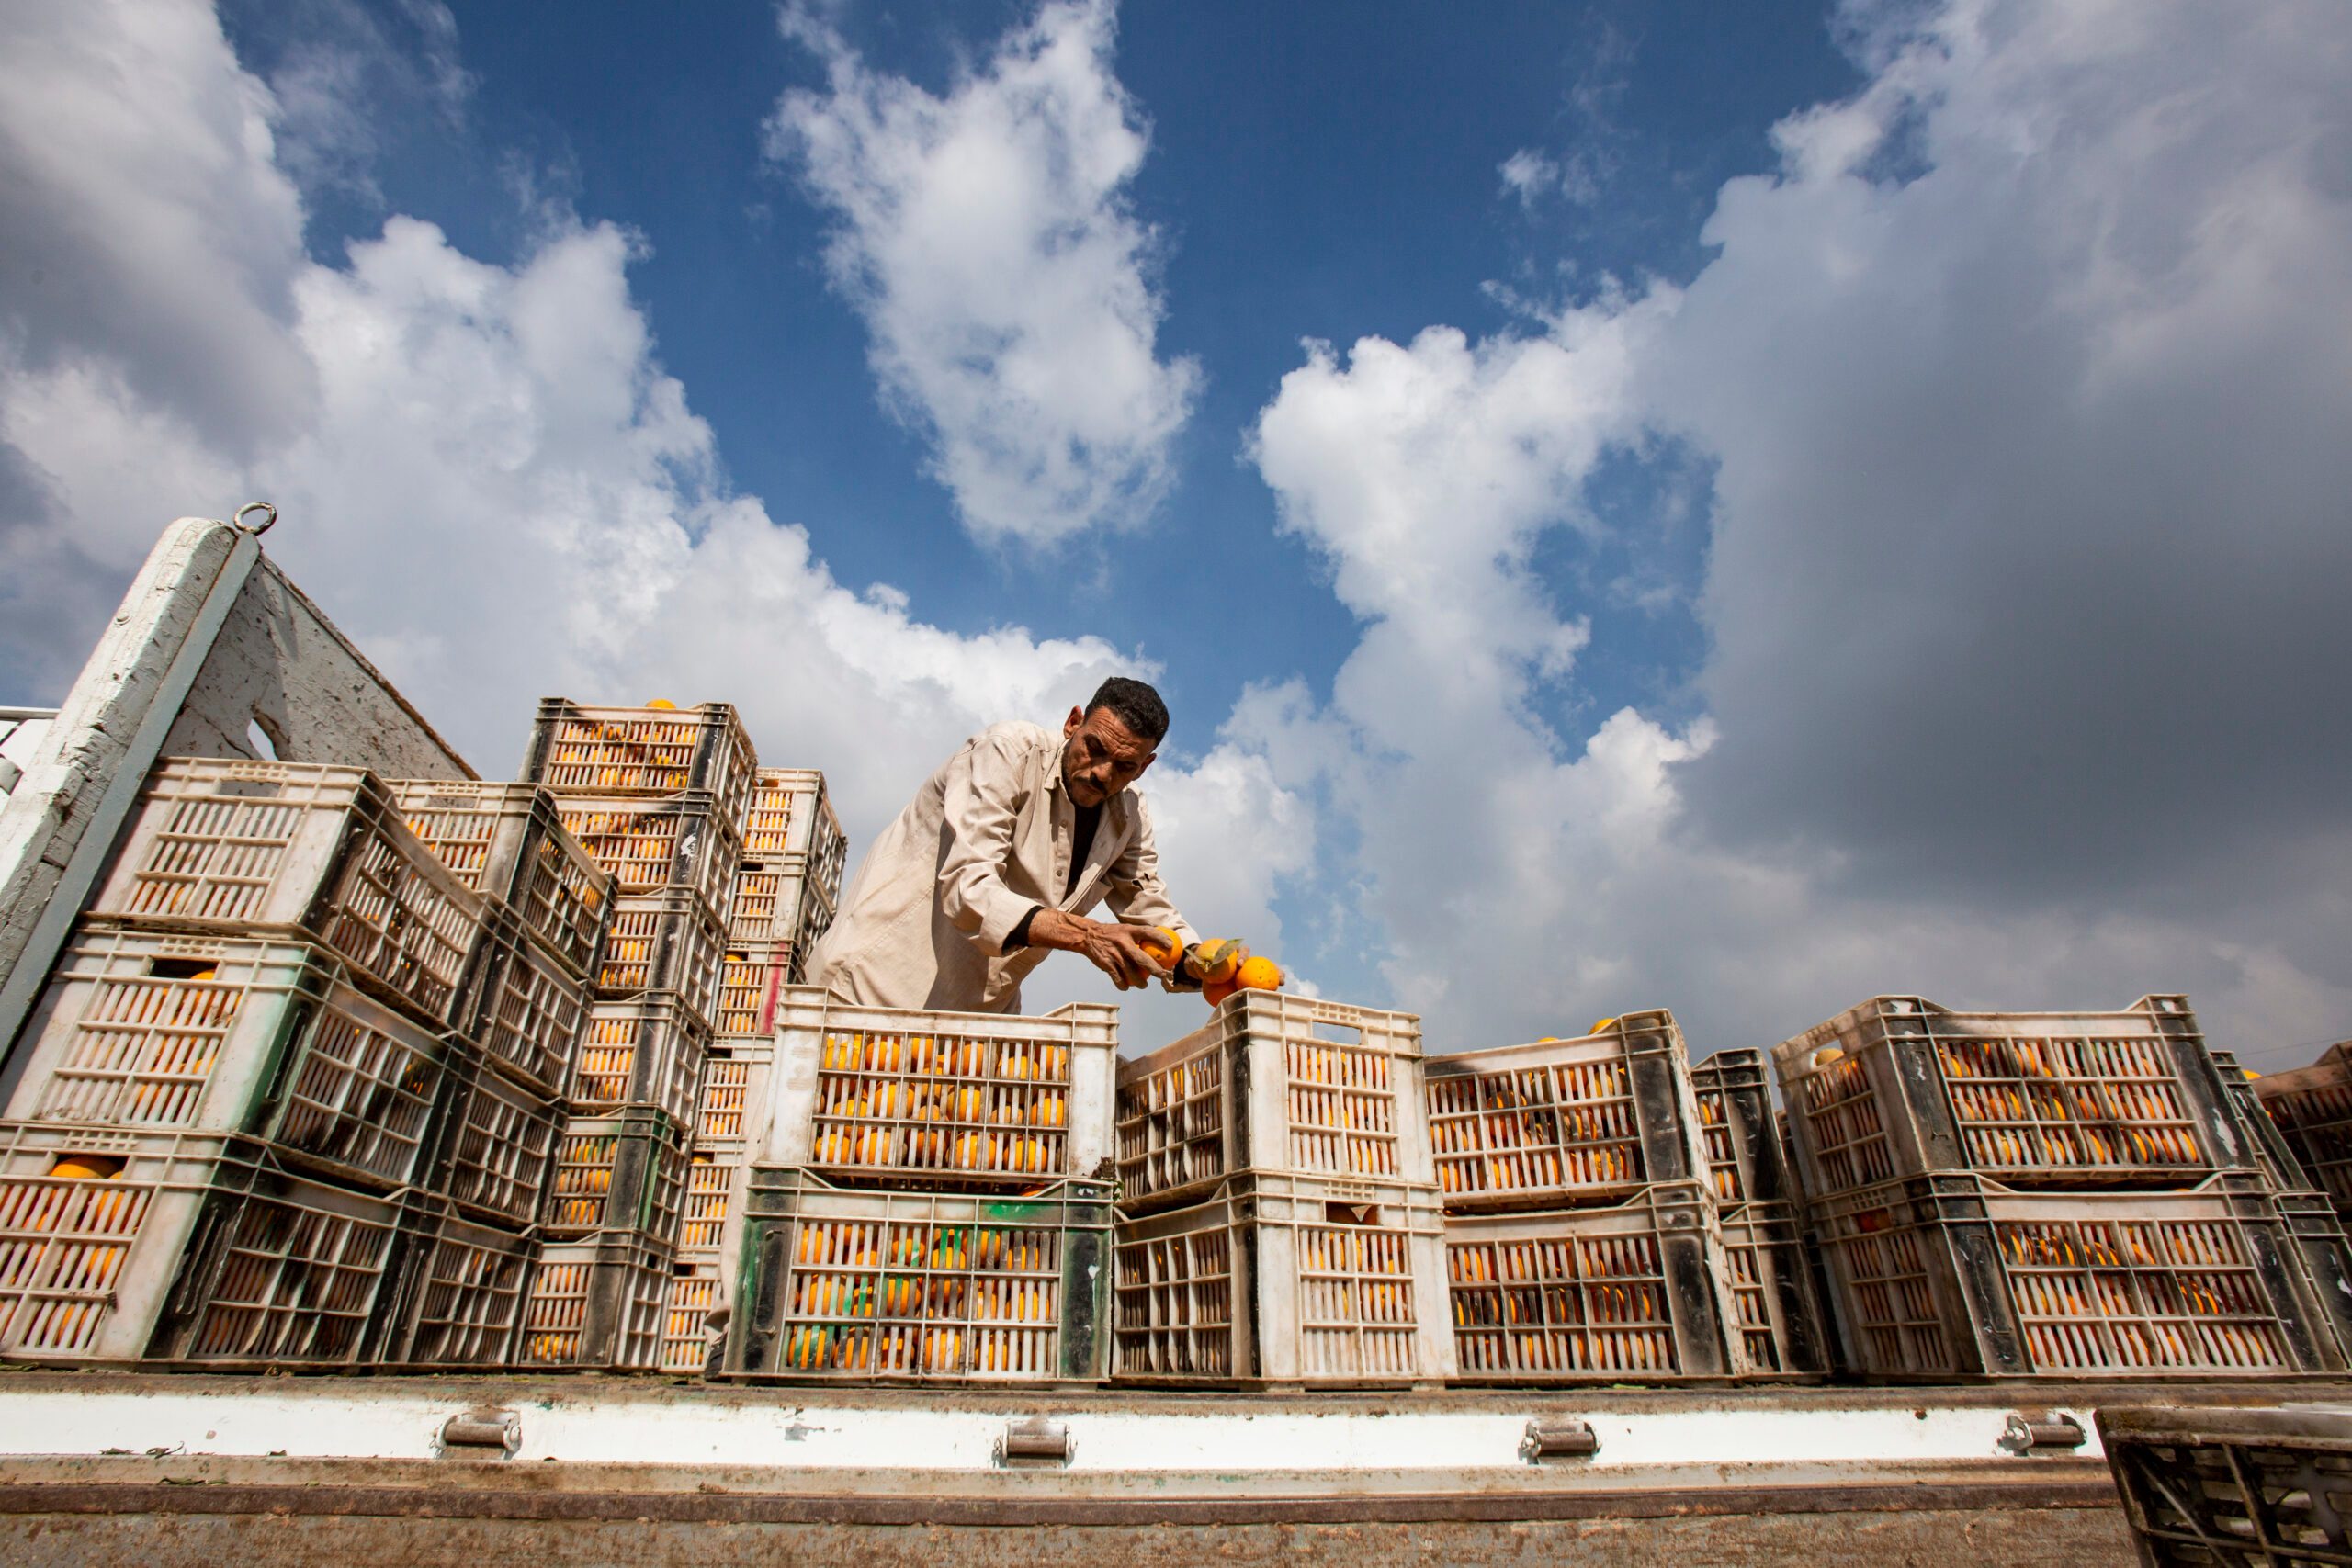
(1019, 937)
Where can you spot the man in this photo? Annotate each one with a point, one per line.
(1000, 857)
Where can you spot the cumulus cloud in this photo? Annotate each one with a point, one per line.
(484, 473)
(985, 236)
(2023, 378)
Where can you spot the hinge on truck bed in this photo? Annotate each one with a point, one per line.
(1560, 1437)
(1033, 1440)
(2051, 1432)
(481, 1434)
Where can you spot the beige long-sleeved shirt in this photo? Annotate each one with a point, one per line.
(985, 840)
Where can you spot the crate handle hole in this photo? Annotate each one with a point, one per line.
(183, 969)
(1351, 1214)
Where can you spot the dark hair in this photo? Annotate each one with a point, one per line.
(1134, 704)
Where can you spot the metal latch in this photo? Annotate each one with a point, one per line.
(1033, 1440)
(1563, 1438)
(481, 1434)
(2040, 1434)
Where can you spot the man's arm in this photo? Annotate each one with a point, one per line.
(1135, 891)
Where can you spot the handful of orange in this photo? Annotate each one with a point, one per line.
(1256, 973)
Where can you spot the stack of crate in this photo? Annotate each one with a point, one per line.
(2313, 1108)
(1776, 1322)
(269, 1109)
(1278, 1216)
(2074, 1194)
(658, 796)
(786, 889)
(928, 1200)
(1583, 1237)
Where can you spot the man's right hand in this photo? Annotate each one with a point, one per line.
(1118, 950)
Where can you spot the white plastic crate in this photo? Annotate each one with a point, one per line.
(496, 1145)
(908, 1097)
(458, 1297)
(577, 749)
(180, 1247)
(749, 978)
(648, 1051)
(1899, 1087)
(792, 815)
(711, 1219)
(145, 1030)
(2313, 1108)
(524, 1007)
(666, 943)
(625, 1172)
(1287, 1279)
(778, 901)
(1564, 1121)
(923, 1287)
(1635, 1292)
(734, 1089)
(1275, 1083)
(691, 1342)
(507, 842)
(223, 844)
(657, 843)
(596, 1304)
(1953, 1276)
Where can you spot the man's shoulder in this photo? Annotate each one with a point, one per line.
(1015, 737)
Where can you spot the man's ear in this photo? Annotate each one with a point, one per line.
(1069, 725)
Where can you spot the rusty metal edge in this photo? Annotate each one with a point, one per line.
(784, 1508)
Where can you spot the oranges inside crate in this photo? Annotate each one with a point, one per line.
(1563, 1304)
(650, 750)
(930, 1103)
(1900, 1088)
(1569, 1126)
(695, 1292)
(2106, 1283)
(617, 1173)
(711, 1183)
(729, 1082)
(909, 1298)
(505, 841)
(655, 844)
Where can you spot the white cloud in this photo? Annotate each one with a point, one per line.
(2024, 378)
(1527, 174)
(986, 238)
(484, 474)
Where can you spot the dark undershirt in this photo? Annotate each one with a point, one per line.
(1086, 820)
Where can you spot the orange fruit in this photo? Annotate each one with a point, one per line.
(1259, 974)
(1161, 942)
(1217, 991)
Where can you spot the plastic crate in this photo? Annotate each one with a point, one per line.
(496, 1147)
(2273, 1154)
(457, 1296)
(596, 1304)
(222, 844)
(778, 901)
(1899, 1087)
(691, 1345)
(646, 1051)
(1776, 1312)
(668, 943)
(1954, 1276)
(579, 750)
(1636, 1292)
(1273, 1083)
(1564, 1121)
(792, 815)
(927, 1287)
(659, 843)
(144, 1030)
(524, 1007)
(507, 842)
(2311, 1107)
(2221, 1487)
(749, 978)
(625, 1172)
(196, 1249)
(734, 1088)
(900, 1096)
(1287, 1279)
(717, 1179)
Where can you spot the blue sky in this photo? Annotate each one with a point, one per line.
(1731, 508)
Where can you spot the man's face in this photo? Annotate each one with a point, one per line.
(1101, 756)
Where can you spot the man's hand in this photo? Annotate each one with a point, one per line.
(1119, 951)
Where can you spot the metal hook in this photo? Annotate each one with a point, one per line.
(269, 519)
